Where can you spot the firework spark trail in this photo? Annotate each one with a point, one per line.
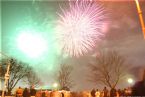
(80, 27)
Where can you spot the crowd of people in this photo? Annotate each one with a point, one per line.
(127, 92)
(93, 93)
(26, 92)
(112, 93)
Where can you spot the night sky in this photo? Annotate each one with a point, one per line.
(123, 34)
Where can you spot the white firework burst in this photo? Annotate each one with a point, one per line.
(80, 27)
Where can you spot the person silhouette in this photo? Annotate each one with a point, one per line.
(93, 93)
(139, 88)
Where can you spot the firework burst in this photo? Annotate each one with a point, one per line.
(80, 27)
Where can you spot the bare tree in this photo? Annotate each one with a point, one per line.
(64, 77)
(18, 70)
(32, 79)
(108, 69)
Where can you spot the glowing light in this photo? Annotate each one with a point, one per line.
(80, 27)
(130, 80)
(31, 44)
(55, 85)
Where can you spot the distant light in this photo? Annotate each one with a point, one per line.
(130, 80)
(55, 85)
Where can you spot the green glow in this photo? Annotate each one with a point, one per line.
(36, 46)
(28, 34)
(31, 44)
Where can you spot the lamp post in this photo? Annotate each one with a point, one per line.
(6, 75)
(140, 17)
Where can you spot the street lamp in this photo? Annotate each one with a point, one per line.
(55, 85)
(130, 81)
(6, 75)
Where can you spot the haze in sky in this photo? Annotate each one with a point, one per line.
(123, 34)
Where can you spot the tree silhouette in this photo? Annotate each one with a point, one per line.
(18, 70)
(64, 77)
(108, 69)
(32, 79)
